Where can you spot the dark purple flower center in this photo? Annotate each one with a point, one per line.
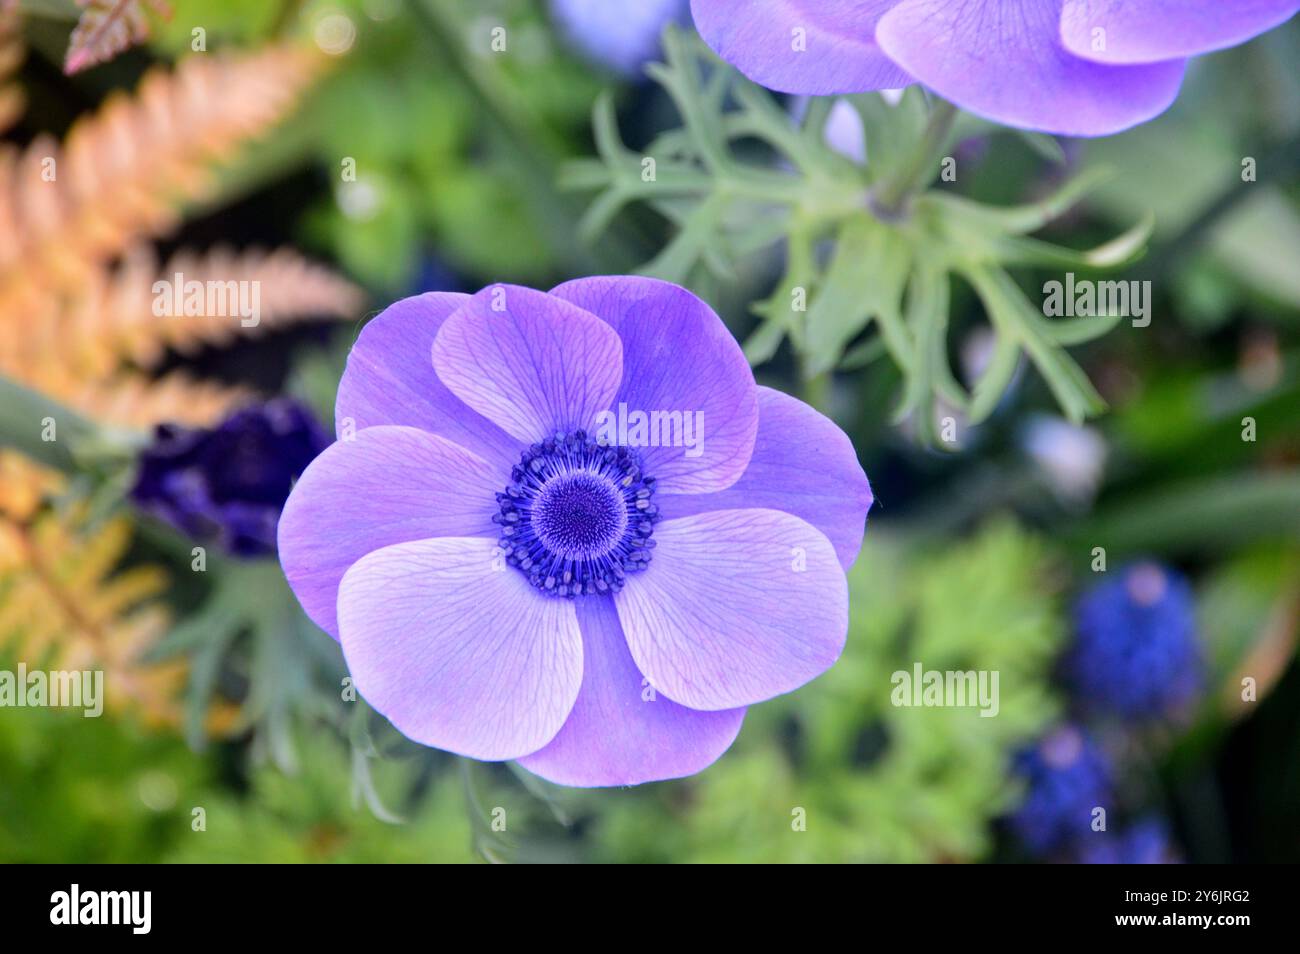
(577, 516)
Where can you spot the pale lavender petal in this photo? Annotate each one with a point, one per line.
(390, 380)
(801, 46)
(621, 732)
(531, 363)
(736, 607)
(457, 650)
(803, 464)
(1122, 31)
(1003, 60)
(679, 359)
(623, 36)
(387, 485)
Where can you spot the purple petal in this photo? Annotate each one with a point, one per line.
(803, 464)
(620, 731)
(390, 380)
(836, 51)
(457, 650)
(1003, 60)
(387, 485)
(737, 606)
(529, 362)
(678, 356)
(1121, 31)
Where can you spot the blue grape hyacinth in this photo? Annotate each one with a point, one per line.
(1135, 653)
(1067, 776)
(1145, 842)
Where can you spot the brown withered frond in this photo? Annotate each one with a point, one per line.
(106, 28)
(124, 172)
(64, 606)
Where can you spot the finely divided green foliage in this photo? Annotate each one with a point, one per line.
(314, 816)
(868, 255)
(877, 782)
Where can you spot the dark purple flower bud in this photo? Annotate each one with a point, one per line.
(228, 485)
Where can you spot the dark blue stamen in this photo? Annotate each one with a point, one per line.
(578, 516)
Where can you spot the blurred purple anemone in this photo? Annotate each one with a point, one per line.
(229, 484)
(517, 570)
(1074, 67)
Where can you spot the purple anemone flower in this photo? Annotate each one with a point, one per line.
(1073, 67)
(568, 528)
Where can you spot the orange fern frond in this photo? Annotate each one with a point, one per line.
(83, 333)
(12, 100)
(89, 381)
(25, 485)
(123, 173)
(122, 318)
(134, 400)
(106, 28)
(63, 605)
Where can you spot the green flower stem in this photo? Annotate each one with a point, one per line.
(52, 435)
(890, 195)
(815, 388)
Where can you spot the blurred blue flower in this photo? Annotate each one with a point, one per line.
(1135, 652)
(1066, 777)
(1146, 842)
(620, 34)
(229, 484)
